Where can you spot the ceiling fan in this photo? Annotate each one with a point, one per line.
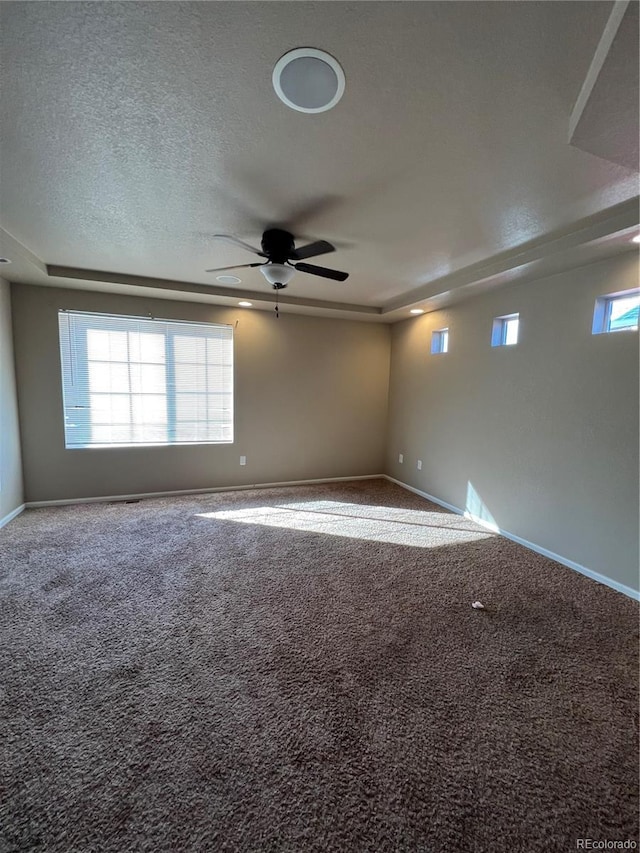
(278, 248)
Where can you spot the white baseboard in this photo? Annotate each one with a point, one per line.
(13, 514)
(545, 552)
(583, 570)
(424, 495)
(143, 495)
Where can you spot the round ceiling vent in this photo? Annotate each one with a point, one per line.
(228, 279)
(308, 80)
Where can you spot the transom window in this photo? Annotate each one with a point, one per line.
(616, 312)
(439, 341)
(133, 381)
(504, 332)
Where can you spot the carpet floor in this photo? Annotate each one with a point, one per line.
(301, 669)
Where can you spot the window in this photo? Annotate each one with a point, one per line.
(616, 312)
(439, 341)
(133, 381)
(505, 330)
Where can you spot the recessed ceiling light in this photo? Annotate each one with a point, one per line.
(416, 311)
(245, 304)
(636, 239)
(308, 80)
(5, 261)
(228, 279)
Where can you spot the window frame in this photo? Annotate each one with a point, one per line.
(440, 341)
(500, 327)
(602, 312)
(173, 328)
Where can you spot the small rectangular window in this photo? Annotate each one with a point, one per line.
(132, 381)
(439, 341)
(505, 330)
(616, 312)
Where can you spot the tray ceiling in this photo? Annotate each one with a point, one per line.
(133, 132)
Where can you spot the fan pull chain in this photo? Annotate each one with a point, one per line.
(277, 311)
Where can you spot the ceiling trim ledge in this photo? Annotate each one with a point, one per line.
(615, 219)
(14, 248)
(56, 271)
(599, 57)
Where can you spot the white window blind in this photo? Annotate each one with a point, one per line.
(131, 381)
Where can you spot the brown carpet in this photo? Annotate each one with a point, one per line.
(302, 670)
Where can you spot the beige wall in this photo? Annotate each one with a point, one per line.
(310, 402)
(542, 438)
(10, 462)
(545, 433)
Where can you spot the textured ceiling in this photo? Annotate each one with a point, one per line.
(132, 132)
(605, 118)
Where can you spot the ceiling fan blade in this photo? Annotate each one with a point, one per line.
(322, 271)
(320, 247)
(227, 238)
(236, 267)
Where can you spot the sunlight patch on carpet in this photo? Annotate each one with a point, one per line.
(357, 521)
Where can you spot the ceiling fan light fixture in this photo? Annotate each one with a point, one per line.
(308, 80)
(277, 273)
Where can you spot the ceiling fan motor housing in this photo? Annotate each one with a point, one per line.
(277, 245)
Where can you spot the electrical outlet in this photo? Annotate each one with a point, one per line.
(419, 464)
(243, 460)
(400, 458)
